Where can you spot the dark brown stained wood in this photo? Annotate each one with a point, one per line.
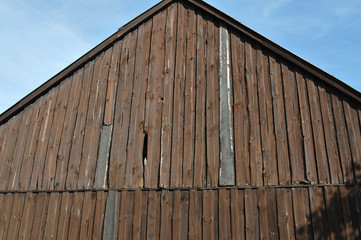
(94, 123)
(15, 216)
(318, 214)
(37, 231)
(153, 221)
(87, 218)
(28, 215)
(210, 218)
(334, 213)
(154, 101)
(280, 122)
(212, 105)
(99, 215)
(47, 175)
(190, 99)
(31, 144)
(195, 215)
(355, 203)
(139, 200)
(308, 146)
(318, 135)
(112, 84)
(43, 139)
(122, 112)
(64, 215)
(52, 216)
(144, 207)
(270, 175)
(251, 214)
(354, 134)
(7, 152)
(19, 149)
(293, 124)
(237, 214)
(73, 154)
(240, 112)
(225, 215)
(176, 218)
(330, 135)
(134, 167)
(184, 210)
(255, 150)
(200, 137)
(267, 214)
(5, 213)
(178, 98)
(62, 156)
(75, 216)
(351, 231)
(166, 215)
(286, 223)
(125, 223)
(342, 139)
(167, 113)
(302, 215)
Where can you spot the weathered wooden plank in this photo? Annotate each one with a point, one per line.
(318, 135)
(190, 99)
(318, 214)
(200, 137)
(154, 101)
(334, 213)
(139, 216)
(52, 217)
(72, 113)
(251, 214)
(224, 215)
(195, 214)
(153, 215)
(2, 133)
(101, 170)
(71, 152)
(240, 111)
(351, 229)
(355, 203)
(267, 214)
(99, 215)
(37, 232)
(111, 216)
(286, 223)
(125, 224)
(15, 216)
(75, 216)
(113, 79)
(94, 123)
(302, 215)
(28, 215)
(270, 175)
(176, 217)
(184, 214)
(237, 214)
(166, 215)
(167, 113)
(87, 218)
(120, 135)
(46, 177)
(280, 122)
(294, 129)
(342, 139)
(64, 215)
(135, 147)
(330, 135)
(5, 213)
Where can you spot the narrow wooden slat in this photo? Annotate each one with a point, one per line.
(134, 167)
(28, 215)
(195, 214)
(153, 215)
(99, 215)
(318, 214)
(94, 122)
(2, 133)
(167, 113)
(75, 216)
(270, 175)
(355, 200)
(144, 209)
(351, 231)
(294, 129)
(101, 170)
(72, 153)
(334, 213)
(52, 217)
(16, 216)
(137, 214)
(267, 214)
(254, 137)
(37, 231)
(280, 123)
(5, 213)
(176, 217)
(190, 99)
(47, 176)
(224, 215)
(166, 215)
(200, 147)
(318, 135)
(43, 139)
(64, 215)
(62, 158)
(154, 101)
(212, 106)
(286, 223)
(342, 139)
(330, 135)
(122, 112)
(184, 218)
(301, 213)
(251, 214)
(237, 214)
(126, 215)
(240, 112)
(86, 225)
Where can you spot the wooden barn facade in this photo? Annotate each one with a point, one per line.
(184, 124)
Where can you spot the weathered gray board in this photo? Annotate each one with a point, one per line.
(226, 171)
(103, 157)
(110, 218)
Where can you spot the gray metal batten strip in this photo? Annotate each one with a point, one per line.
(103, 157)
(110, 218)
(226, 170)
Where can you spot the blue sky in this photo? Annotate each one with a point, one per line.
(40, 38)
